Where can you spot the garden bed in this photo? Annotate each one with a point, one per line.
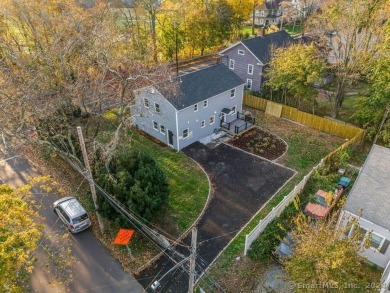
(261, 143)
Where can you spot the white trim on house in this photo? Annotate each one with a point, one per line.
(233, 93)
(261, 63)
(248, 84)
(188, 133)
(208, 99)
(236, 44)
(234, 110)
(155, 123)
(155, 108)
(177, 129)
(212, 117)
(252, 69)
(162, 129)
(232, 63)
(146, 101)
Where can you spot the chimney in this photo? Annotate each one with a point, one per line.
(260, 31)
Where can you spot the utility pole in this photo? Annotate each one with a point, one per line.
(89, 175)
(192, 260)
(175, 26)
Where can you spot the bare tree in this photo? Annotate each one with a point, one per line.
(61, 63)
(350, 31)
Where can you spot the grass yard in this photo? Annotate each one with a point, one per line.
(188, 184)
(293, 30)
(306, 147)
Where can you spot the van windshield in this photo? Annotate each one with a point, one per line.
(79, 219)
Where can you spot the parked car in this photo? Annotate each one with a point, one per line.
(284, 250)
(325, 201)
(72, 214)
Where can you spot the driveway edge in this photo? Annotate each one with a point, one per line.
(185, 233)
(253, 217)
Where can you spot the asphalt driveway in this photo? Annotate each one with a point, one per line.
(242, 184)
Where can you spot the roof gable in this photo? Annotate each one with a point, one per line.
(261, 46)
(200, 85)
(371, 191)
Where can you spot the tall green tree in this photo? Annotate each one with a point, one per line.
(135, 179)
(294, 69)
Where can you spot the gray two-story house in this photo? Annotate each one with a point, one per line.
(248, 58)
(190, 107)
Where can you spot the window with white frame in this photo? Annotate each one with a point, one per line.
(155, 125)
(195, 107)
(185, 133)
(162, 129)
(369, 239)
(257, 13)
(241, 52)
(261, 21)
(234, 110)
(157, 107)
(146, 103)
(205, 103)
(231, 64)
(203, 123)
(212, 119)
(249, 84)
(232, 93)
(250, 69)
(262, 13)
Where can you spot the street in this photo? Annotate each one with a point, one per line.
(66, 262)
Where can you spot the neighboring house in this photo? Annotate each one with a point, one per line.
(247, 58)
(369, 203)
(268, 13)
(186, 109)
(272, 11)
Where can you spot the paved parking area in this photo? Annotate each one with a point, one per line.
(242, 184)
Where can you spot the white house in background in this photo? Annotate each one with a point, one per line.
(370, 199)
(190, 107)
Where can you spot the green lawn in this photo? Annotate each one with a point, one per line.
(247, 30)
(188, 184)
(293, 30)
(306, 147)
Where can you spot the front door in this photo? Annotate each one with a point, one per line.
(170, 138)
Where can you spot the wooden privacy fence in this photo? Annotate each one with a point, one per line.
(325, 125)
(319, 123)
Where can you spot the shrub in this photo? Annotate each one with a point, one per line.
(135, 180)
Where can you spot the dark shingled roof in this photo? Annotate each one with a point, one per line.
(260, 46)
(269, 5)
(200, 85)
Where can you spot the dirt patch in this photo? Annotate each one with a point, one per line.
(261, 143)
